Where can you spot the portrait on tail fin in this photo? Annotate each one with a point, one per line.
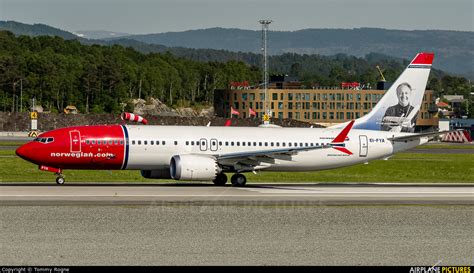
(401, 117)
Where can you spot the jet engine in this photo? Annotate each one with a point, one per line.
(156, 174)
(193, 167)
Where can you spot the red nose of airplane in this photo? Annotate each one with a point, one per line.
(24, 151)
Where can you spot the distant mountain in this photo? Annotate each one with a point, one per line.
(99, 34)
(35, 30)
(454, 49)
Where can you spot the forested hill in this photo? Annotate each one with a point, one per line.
(100, 79)
(454, 49)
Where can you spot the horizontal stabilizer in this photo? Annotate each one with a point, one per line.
(417, 136)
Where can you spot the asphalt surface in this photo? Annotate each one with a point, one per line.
(202, 194)
(237, 235)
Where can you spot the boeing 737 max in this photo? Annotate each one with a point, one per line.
(207, 153)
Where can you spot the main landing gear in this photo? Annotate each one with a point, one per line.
(237, 180)
(220, 179)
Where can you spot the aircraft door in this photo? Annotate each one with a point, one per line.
(75, 138)
(203, 144)
(364, 146)
(214, 144)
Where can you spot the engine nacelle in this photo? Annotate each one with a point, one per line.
(156, 174)
(193, 167)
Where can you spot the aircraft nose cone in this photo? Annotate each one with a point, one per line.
(24, 151)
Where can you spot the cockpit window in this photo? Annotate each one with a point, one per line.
(44, 139)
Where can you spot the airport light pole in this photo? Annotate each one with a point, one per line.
(265, 23)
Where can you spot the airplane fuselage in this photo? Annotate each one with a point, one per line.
(138, 147)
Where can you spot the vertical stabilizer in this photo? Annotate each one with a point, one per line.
(398, 109)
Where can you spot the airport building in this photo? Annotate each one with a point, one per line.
(318, 105)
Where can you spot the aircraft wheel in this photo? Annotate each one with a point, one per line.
(238, 180)
(60, 180)
(220, 179)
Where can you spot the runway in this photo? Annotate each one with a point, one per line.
(255, 194)
(237, 235)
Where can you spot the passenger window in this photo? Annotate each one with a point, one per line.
(93, 141)
(145, 142)
(255, 144)
(175, 142)
(243, 143)
(121, 142)
(87, 142)
(99, 142)
(306, 144)
(139, 142)
(163, 142)
(238, 143)
(192, 143)
(227, 143)
(187, 143)
(283, 144)
(110, 141)
(133, 142)
(271, 144)
(301, 144)
(289, 144)
(278, 144)
(266, 144)
(115, 142)
(220, 143)
(232, 143)
(249, 143)
(152, 142)
(260, 144)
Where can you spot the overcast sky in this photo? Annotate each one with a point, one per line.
(148, 16)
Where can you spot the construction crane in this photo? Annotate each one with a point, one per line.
(380, 71)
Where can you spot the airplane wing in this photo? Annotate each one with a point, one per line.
(253, 160)
(418, 136)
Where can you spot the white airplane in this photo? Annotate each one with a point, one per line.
(203, 153)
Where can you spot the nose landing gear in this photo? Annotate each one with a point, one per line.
(57, 171)
(60, 179)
